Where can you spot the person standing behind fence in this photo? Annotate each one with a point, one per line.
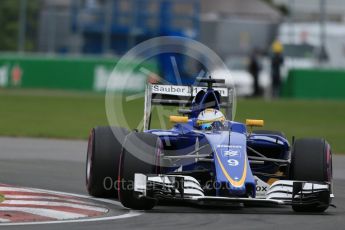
(254, 68)
(277, 60)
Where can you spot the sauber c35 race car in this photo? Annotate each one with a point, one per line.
(206, 158)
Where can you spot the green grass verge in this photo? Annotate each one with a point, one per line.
(71, 115)
(2, 198)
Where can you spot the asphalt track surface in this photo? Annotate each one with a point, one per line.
(60, 165)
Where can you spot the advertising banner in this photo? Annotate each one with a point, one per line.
(68, 73)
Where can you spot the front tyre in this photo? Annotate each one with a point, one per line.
(146, 147)
(311, 160)
(103, 156)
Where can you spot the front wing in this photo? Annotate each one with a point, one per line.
(188, 189)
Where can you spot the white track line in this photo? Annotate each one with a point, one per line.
(14, 189)
(28, 197)
(114, 202)
(130, 214)
(4, 220)
(49, 203)
(60, 215)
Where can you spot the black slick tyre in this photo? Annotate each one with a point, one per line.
(103, 156)
(146, 147)
(311, 160)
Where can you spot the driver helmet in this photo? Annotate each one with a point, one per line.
(207, 117)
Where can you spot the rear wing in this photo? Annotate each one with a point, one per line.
(182, 96)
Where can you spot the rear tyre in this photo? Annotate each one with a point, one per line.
(311, 160)
(147, 147)
(103, 156)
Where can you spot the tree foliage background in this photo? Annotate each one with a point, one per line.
(9, 24)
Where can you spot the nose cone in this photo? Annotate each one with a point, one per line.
(231, 163)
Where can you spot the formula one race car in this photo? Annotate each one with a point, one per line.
(207, 159)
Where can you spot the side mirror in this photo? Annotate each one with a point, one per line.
(178, 119)
(255, 123)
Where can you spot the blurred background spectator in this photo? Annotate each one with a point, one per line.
(277, 60)
(254, 68)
